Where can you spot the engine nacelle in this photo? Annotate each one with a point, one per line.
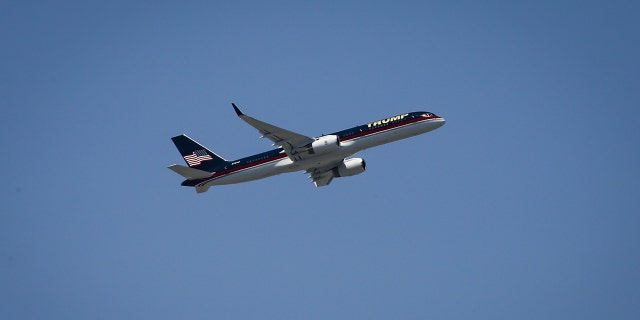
(324, 144)
(350, 167)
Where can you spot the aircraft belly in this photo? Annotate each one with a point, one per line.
(253, 173)
(296, 152)
(347, 149)
(274, 168)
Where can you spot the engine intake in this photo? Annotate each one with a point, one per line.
(350, 167)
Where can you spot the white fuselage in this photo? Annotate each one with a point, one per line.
(283, 163)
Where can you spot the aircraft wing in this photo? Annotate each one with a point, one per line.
(321, 179)
(283, 138)
(322, 176)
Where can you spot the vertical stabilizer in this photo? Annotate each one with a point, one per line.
(196, 155)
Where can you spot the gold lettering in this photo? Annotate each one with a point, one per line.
(385, 121)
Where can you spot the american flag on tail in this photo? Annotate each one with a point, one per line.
(197, 157)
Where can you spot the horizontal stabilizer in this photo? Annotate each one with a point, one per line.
(200, 189)
(190, 173)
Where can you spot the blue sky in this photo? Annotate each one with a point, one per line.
(524, 205)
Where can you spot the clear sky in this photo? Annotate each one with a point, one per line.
(525, 205)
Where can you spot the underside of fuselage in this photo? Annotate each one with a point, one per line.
(322, 157)
(349, 147)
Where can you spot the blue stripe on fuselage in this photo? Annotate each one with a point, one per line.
(277, 154)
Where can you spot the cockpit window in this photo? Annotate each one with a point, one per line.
(428, 114)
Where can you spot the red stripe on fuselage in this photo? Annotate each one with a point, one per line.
(378, 129)
(387, 127)
(193, 183)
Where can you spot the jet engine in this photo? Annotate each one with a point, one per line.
(350, 167)
(324, 144)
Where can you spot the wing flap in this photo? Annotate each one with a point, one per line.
(322, 176)
(321, 179)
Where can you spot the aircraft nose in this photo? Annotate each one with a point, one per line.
(440, 122)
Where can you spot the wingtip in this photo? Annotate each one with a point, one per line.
(238, 112)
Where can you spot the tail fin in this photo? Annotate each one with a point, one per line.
(196, 155)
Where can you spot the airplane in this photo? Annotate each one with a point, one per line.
(323, 158)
